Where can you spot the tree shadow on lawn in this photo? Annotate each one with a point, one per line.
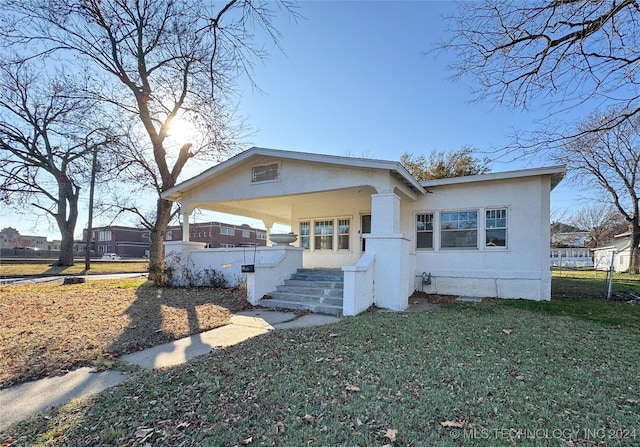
(163, 314)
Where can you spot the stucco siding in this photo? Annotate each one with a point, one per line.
(519, 270)
(296, 177)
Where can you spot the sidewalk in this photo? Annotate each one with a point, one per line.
(22, 401)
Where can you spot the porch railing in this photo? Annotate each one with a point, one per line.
(358, 285)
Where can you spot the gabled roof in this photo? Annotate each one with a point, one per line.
(620, 242)
(395, 168)
(556, 172)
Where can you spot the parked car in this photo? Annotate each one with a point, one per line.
(111, 256)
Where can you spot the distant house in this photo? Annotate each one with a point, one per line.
(616, 251)
(482, 235)
(568, 246)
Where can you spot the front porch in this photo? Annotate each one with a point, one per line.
(346, 213)
(274, 277)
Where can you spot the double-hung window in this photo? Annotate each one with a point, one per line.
(424, 230)
(343, 234)
(459, 229)
(323, 231)
(305, 235)
(496, 227)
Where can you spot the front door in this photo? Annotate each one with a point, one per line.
(365, 228)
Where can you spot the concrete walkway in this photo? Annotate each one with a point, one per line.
(22, 401)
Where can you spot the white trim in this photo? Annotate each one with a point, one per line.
(556, 172)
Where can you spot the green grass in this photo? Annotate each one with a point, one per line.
(502, 373)
(590, 287)
(97, 268)
(606, 313)
(593, 274)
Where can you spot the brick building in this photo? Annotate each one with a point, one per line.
(220, 235)
(131, 242)
(11, 238)
(127, 242)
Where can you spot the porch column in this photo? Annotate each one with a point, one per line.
(385, 213)
(392, 273)
(185, 226)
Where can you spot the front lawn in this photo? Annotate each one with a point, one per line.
(18, 269)
(48, 329)
(495, 373)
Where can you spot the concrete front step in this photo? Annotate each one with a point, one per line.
(317, 290)
(305, 298)
(313, 290)
(317, 277)
(320, 308)
(316, 284)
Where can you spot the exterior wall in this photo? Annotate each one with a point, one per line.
(521, 270)
(621, 262)
(192, 264)
(296, 177)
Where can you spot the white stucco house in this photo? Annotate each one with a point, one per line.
(371, 221)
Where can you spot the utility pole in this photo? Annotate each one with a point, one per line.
(94, 168)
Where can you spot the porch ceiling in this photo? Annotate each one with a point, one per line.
(280, 208)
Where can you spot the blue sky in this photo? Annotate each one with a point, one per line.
(357, 78)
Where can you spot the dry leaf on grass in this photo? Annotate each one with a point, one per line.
(451, 424)
(142, 434)
(520, 377)
(391, 433)
(354, 388)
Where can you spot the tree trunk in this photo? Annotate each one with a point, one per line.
(67, 196)
(158, 235)
(634, 265)
(66, 246)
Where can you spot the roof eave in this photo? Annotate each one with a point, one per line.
(175, 193)
(557, 173)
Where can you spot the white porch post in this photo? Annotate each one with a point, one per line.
(185, 226)
(391, 250)
(385, 213)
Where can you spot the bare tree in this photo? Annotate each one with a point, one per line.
(457, 163)
(602, 221)
(46, 136)
(156, 62)
(608, 161)
(569, 53)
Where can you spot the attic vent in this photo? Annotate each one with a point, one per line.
(265, 173)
